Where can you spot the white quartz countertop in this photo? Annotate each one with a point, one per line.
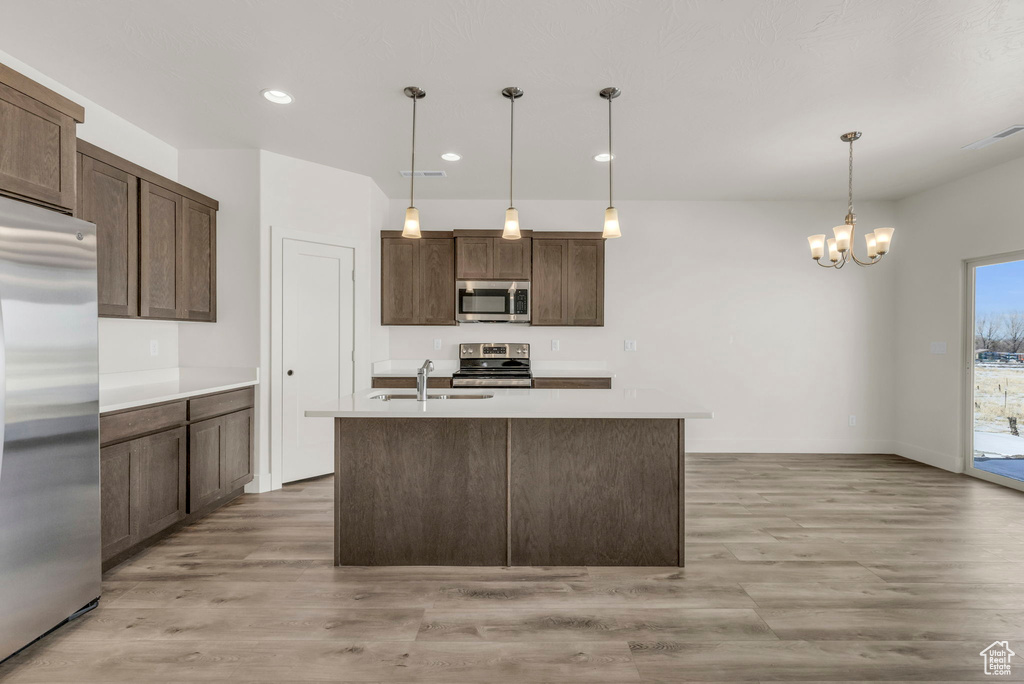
(517, 403)
(556, 373)
(119, 391)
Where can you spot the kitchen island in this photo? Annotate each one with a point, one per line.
(518, 477)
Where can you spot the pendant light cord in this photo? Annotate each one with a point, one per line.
(611, 157)
(412, 172)
(511, 147)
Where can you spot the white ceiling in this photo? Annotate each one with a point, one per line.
(737, 99)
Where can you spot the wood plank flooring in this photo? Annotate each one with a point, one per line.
(799, 568)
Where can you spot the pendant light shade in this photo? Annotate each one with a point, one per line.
(611, 223)
(411, 229)
(511, 230)
(611, 214)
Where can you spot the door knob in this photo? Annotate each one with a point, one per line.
(290, 372)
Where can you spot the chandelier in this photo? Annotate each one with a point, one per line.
(840, 247)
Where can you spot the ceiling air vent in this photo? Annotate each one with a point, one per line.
(424, 174)
(985, 142)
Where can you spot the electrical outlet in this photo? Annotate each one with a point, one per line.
(630, 345)
(853, 421)
(554, 345)
(437, 343)
(938, 347)
(154, 348)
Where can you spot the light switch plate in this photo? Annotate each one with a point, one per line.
(437, 343)
(938, 347)
(630, 345)
(554, 345)
(154, 348)
(853, 421)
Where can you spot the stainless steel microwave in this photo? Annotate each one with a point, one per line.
(492, 301)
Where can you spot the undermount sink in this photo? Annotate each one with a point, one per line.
(389, 397)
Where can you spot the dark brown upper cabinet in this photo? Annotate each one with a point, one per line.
(489, 258)
(567, 287)
(156, 240)
(418, 280)
(200, 262)
(109, 197)
(162, 263)
(37, 142)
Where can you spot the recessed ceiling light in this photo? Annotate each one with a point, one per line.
(451, 156)
(277, 96)
(604, 157)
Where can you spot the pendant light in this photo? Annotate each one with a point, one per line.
(840, 247)
(611, 214)
(511, 231)
(412, 214)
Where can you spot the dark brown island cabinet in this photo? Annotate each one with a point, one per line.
(156, 240)
(441, 382)
(565, 270)
(166, 465)
(37, 142)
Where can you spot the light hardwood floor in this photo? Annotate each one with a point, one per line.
(799, 568)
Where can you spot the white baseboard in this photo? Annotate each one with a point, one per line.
(948, 462)
(261, 482)
(789, 446)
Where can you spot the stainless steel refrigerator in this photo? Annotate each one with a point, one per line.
(49, 422)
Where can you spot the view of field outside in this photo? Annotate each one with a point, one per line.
(999, 369)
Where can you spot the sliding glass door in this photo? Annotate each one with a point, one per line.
(995, 369)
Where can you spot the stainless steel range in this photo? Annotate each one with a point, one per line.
(493, 364)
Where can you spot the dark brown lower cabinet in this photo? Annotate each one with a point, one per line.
(142, 488)
(164, 465)
(409, 382)
(220, 457)
(572, 383)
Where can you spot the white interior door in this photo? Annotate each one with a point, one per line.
(317, 344)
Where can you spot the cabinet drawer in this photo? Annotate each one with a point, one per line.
(117, 427)
(572, 383)
(219, 404)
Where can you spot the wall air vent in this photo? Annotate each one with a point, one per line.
(424, 174)
(985, 142)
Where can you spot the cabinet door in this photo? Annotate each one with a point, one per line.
(37, 155)
(549, 285)
(200, 262)
(205, 469)
(237, 449)
(436, 278)
(159, 462)
(398, 281)
(475, 258)
(118, 524)
(109, 198)
(585, 282)
(512, 258)
(162, 264)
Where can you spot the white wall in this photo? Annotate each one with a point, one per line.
(310, 198)
(976, 216)
(728, 308)
(123, 345)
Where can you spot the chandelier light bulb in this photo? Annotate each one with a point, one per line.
(883, 237)
(872, 245)
(833, 253)
(817, 243)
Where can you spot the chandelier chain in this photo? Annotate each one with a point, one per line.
(850, 185)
